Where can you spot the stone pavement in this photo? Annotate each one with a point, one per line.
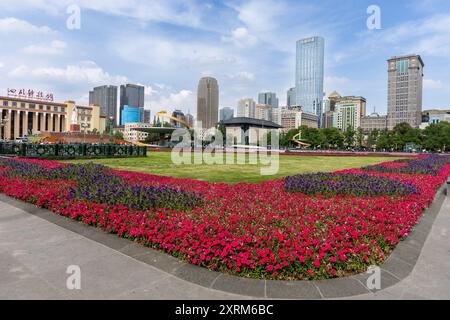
(35, 254)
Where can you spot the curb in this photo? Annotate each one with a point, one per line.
(397, 267)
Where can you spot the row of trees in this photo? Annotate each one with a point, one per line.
(435, 137)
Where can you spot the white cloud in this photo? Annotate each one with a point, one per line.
(186, 13)
(429, 36)
(261, 15)
(244, 75)
(87, 73)
(241, 38)
(183, 99)
(432, 84)
(56, 47)
(1, 65)
(169, 52)
(16, 26)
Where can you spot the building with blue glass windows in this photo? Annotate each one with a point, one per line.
(309, 75)
(268, 98)
(130, 115)
(131, 95)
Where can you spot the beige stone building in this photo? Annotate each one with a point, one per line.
(374, 121)
(294, 117)
(263, 112)
(131, 134)
(23, 117)
(349, 111)
(405, 85)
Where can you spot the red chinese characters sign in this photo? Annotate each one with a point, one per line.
(30, 94)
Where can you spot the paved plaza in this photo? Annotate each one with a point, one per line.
(35, 254)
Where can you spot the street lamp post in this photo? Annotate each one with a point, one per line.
(111, 119)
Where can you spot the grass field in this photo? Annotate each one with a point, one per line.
(160, 163)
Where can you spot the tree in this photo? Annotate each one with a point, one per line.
(403, 133)
(311, 136)
(372, 140)
(286, 138)
(437, 136)
(118, 135)
(333, 137)
(360, 137)
(385, 140)
(349, 136)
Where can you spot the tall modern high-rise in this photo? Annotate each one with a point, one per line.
(268, 98)
(147, 116)
(208, 102)
(291, 101)
(106, 98)
(131, 95)
(405, 84)
(309, 74)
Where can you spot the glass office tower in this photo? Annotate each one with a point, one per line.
(309, 74)
(131, 95)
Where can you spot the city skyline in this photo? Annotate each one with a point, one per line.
(244, 54)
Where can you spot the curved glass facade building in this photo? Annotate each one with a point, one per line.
(309, 75)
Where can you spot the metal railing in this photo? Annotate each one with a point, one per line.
(71, 151)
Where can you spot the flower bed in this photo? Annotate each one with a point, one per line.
(422, 165)
(253, 230)
(362, 185)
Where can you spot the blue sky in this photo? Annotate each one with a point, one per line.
(249, 46)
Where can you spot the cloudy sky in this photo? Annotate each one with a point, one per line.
(249, 46)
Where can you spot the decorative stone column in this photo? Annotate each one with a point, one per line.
(8, 125)
(50, 122)
(16, 124)
(35, 121)
(25, 123)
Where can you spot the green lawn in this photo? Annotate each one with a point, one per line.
(160, 163)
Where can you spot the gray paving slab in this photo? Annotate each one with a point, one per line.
(430, 277)
(34, 261)
(36, 250)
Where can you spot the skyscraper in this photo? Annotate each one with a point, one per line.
(405, 84)
(179, 115)
(291, 101)
(309, 74)
(147, 116)
(106, 98)
(268, 98)
(246, 108)
(226, 114)
(133, 96)
(208, 102)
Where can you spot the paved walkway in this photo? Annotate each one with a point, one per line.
(35, 254)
